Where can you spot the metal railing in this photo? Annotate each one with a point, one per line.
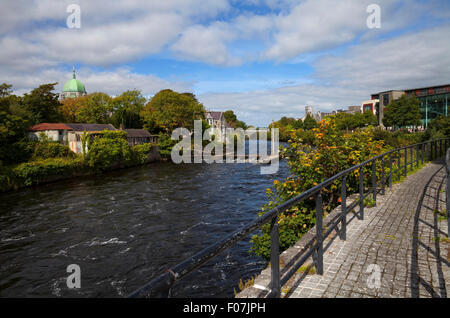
(447, 189)
(427, 151)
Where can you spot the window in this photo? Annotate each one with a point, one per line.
(386, 99)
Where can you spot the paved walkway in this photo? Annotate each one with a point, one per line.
(400, 249)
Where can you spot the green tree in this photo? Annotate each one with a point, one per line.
(127, 108)
(403, 112)
(309, 123)
(12, 127)
(231, 119)
(109, 149)
(43, 104)
(168, 110)
(96, 110)
(438, 128)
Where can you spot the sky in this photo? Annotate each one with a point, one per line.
(263, 59)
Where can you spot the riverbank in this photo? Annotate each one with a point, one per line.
(56, 169)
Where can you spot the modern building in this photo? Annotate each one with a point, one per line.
(384, 99)
(434, 101)
(73, 88)
(370, 105)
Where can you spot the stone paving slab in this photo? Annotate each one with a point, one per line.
(400, 249)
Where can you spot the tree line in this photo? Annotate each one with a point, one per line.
(164, 112)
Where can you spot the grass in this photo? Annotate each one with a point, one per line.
(248, 283)
(442, 215)
(308, 268)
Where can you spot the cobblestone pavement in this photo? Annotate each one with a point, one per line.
(400, 249)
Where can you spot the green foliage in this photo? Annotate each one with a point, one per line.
(309, 123)
(231, 119)
(127, 108)
(438, 128)
(45, 149)
(403, 112)
(285, 127)
(141, 153)
(347, 122)
(12, 126)
(34, 172)
(332, 151)
(168, 110)
(43, 104)
(399, 138)
(165, 144)
(108, 150)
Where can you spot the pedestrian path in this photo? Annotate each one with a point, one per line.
(400, 249)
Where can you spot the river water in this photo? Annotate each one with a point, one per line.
(126, 227)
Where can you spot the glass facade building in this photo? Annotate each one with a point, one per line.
(434, 101)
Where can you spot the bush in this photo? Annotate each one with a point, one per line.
(333, 152)
(108, 150)
(34, 172)
(165, 144)
(438, 128)
(141, 153)
(50, 149)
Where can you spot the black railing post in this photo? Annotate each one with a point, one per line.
(319, 234)
(399, 166)
(343, 233)
(374, 180)
(434, 150)
(412, 160)
(275, 258)
(430, 151)
(361, 193)
(390, 170)
(406, 162)
(417, 156)
(382, 177)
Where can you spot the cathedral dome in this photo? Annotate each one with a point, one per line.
(74, 85)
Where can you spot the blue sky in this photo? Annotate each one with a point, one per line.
(262, 58)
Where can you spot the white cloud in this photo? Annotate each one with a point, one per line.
(408, 61)
(112, 82)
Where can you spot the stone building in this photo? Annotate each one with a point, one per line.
(217, 121)
(67, 134)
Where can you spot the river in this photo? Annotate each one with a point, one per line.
(126, 227)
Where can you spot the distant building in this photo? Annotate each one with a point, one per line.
(370, 105)
(217, 121)
(309, 110)
(434, 101)
(73, 88)
(67, 134)
(354, 109)
(140, 136)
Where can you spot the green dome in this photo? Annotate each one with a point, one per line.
(74, 85)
